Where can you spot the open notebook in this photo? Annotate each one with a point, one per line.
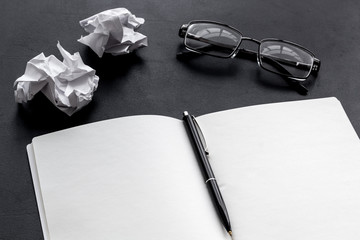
(286, 171)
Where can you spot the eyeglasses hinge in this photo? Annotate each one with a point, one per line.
(316, 65)
(182, 30)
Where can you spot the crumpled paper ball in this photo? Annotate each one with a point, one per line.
(113, 31)
(69, 85)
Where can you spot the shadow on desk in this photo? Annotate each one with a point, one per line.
(109, 67)
(41, 115)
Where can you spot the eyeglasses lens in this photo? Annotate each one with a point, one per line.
(285, 59)
(212, 39)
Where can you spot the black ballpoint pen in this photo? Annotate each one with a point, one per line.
(209, 176)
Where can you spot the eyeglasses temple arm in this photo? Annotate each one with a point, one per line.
(213, 43)
(253, 55)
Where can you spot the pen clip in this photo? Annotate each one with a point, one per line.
(201, 135)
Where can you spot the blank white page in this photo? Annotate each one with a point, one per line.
(287, 170)
(127, 178)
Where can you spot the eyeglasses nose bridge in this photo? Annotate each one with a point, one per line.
(248, 51)
(250, 39)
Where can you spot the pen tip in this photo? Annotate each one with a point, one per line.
(230, 233)
(186, 113)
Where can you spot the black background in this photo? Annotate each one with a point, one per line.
(152, 80)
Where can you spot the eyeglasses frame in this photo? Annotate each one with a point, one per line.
(315, 63)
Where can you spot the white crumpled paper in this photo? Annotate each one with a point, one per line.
(69, 85)
(113, 31)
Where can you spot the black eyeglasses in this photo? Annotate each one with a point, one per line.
(285, 58)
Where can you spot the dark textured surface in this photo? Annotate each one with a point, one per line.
(153, 80)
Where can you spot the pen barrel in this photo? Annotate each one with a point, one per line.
(203, 161)
(219, 203)
(208, 173)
